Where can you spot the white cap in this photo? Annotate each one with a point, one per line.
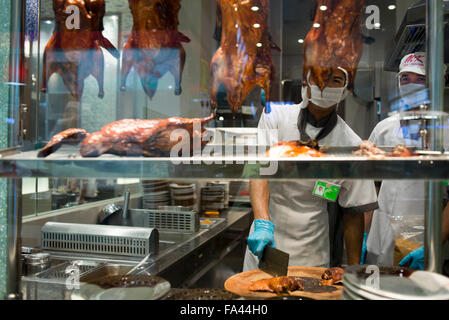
(414, 62)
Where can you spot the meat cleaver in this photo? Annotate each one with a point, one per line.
(274, 262)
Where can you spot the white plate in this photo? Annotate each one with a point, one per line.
(421, 285)
(348, 295)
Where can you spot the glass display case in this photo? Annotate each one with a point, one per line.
(164, 115)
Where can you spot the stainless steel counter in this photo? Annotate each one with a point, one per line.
(182, 258)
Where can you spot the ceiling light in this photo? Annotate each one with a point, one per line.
(391, 7)
(255, 8)
(301, 40)
(259, 44)
(323, 8)
(256, 25)
(377, 25)
(316, 25)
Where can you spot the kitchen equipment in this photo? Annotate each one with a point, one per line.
(170, 219)
(36, 262)
(311, 277)
(274, 262)
(115, 215)
(136, 267)
(107, 211)
(99, 239)
(105, 283)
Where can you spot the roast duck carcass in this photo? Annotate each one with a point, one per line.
(155, 45)
(277, 285)
(332, 276)
(75, 53)
(243, 59)
(295, 149)
(335, 40)
(131, 137)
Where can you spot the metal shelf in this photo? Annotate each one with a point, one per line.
(68, 163)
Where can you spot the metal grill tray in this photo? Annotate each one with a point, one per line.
(99, 239)
(338, 164)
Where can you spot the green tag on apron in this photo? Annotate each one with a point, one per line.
(326, 190)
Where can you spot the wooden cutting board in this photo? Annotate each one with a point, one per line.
(311, 277)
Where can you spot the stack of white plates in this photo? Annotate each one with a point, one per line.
(183, 194)
(156, 193)
(394, 283)
(213, 197)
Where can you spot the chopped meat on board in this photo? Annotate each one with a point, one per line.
(277, 285)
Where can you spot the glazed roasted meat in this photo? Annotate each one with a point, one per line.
(335, 40)
(402, 151)
(130, 137)
(75, 53)
(331, 276)
(243, 59)
(369, 149)
(69, 136)
(277, 285)
(295, 149)
(155, 45)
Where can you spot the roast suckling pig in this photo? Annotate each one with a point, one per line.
(154, 46)
(131, 137)
(75, 53)
(243, 59)
(277, 285)
(335, 40)
(332, 276)
(295, 149)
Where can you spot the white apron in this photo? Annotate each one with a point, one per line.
(300, 219)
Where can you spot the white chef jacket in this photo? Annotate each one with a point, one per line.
(396, 197)
(301, 219)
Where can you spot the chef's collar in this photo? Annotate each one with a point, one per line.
(328, 124)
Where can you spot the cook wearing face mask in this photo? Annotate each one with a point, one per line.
(400, 198)
(289, 215)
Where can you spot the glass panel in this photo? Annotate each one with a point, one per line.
(5, 120)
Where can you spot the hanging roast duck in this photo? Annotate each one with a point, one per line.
(74, 51)
(335, 40)
(155, 44)
(131, 137)
(243, 59)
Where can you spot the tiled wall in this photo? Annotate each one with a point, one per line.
(4, 58)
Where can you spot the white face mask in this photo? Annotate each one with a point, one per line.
(329, 96)
(414, 94)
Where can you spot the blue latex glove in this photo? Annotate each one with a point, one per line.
(362, 260)
(415, 258)
(263, 235)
